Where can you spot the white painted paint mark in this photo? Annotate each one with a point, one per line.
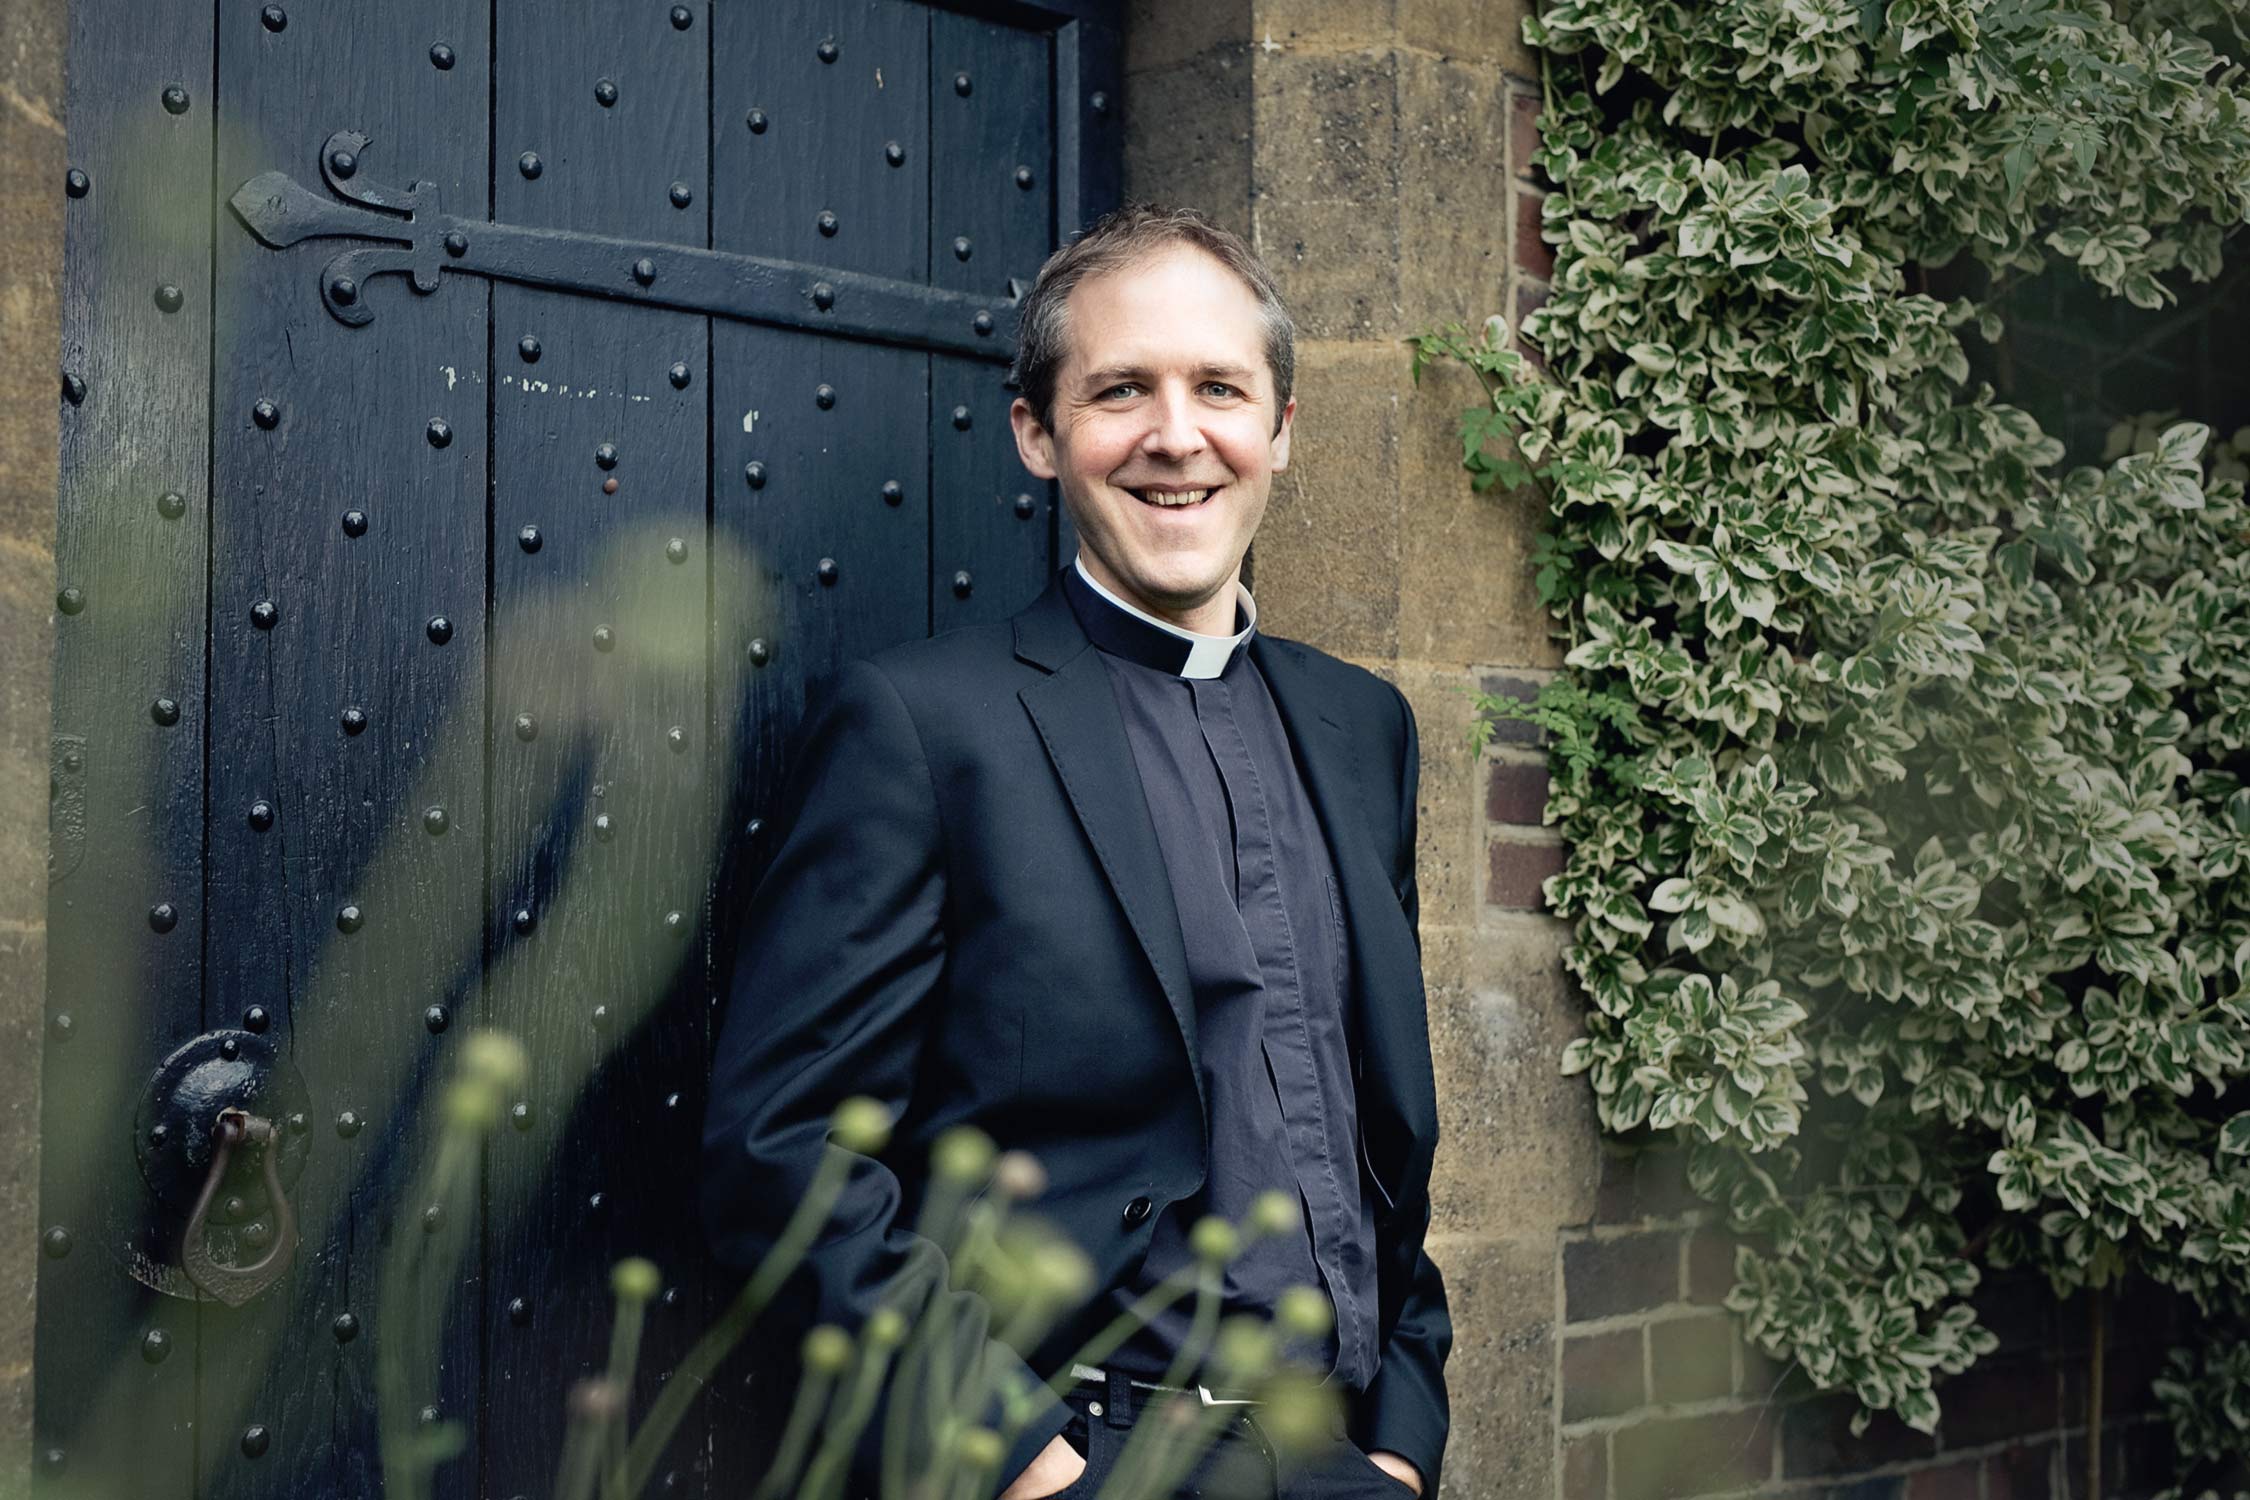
(749, 421)
(450, 375)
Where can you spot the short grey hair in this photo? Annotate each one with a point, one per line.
(1119, 239)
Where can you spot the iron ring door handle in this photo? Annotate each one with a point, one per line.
(235, 1285)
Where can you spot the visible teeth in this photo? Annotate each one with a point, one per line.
(1184, 497)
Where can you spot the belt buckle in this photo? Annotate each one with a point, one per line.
(1204, 1391)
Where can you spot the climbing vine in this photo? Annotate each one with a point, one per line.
(1905, 773)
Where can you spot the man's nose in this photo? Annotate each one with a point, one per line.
(1177, 428)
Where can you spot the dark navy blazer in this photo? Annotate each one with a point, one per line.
(965, 870)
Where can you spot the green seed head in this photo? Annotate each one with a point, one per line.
(980, 1447)
(1275, 1212)
(635, 1280)
(1304, 1312)
(1214, 1240)
(1244, 1351)
(963, 1154)
(1019, 1175)
(472, 1104)
(861, 1124)
(1299, 1415)
(495, 1057)
(828, 1350)
(886, 1328)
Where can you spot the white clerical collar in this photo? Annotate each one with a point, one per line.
(1207, 655)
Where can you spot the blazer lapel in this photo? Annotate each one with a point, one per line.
(1075, 711)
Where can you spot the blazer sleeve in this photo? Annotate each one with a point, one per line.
(1405, 1409)
(842, 947)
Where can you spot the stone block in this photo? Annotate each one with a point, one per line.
(1691, 1359)
(1817, 1440)
(1159, 33)
(1516, 792)
(1614, 1198)
(1524, 105)
(1328, 549)
(1671, 1458)
(1608, 1277)
(1483, 31)
(1519, 871)
(1710, 1267)
(1188, 137)
(1324, 25)
(1501, 1372)
(1449, 823)
(1518, 1149)
(1326, 184)
(1585, 1467)
(1454, 191)
(1602, 1375)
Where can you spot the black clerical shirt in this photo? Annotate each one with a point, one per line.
(1263, 925)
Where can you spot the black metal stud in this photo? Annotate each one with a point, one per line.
(894, 493)
(530, 165)
(824, 396)
(760, 652)
(961, 419)
(675, 549)
(163, 917)
(753, 828)
(679, 377)
(600, 1019)
(441, 57)
(962, 583)
(342, 162)
(77, 183)
(982, 323)
(756, 120)
(230, 1049)
(345, 1328)
(265, 614)
(1025, 507)
(261, 816)
(155, 1345)
(755, 473)
(354, 720)
(519, 1311)
(435, 820)
(682, 18)
(52, 1462)
(255, 1440)
(349, 918)
(165, 711)
(171, 505)
(456, 243)
(436, 1018)
(347, 1124)
(605, 828)
(73, 389)
(961, 247)
(894, 153)
(529, 348)
(265, 414)
(56, 1242)
(519, 1115)
(826, 222)
(355, 522)
(826, 51)
(823, 295)
(961, 84)
(274, 17)
(676, 737)
(257, 1019)
(168, 297)
(1098, 102)
(58, 1026)
(528, 539)
(604, 638)
(175, 100)
(827, 571)
(675, 922)
(527, 728)
(1024, 179)
(644, 271)
(605, 456)
(71, 600)
(525, 921)
(682, 195)
(439, 630)
(439, 432)
(343, 291)
(605, 93)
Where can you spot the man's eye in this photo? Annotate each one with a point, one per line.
(1121, 386)
(1220, 385)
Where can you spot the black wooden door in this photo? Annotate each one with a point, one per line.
(482, 424)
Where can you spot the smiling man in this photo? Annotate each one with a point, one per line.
(1129, 884)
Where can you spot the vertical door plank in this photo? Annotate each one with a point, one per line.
(116, 1360)
(1089, 157)
(991, 215)
(602, 838)
(352, 915)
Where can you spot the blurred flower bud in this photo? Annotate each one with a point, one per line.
(962, 1154)
(1244, 1351)
(1214, 1240)
(635, 1280)
(472, 1104)
(861, 1124)
(886, 1328)
(1019, 1175)
(1276, 1212)
(828, 1350)
(980, 1447)
(1304, 1312)
(1300, 1415)
(1061, 1273)
(495, 1057)
(596, 1400)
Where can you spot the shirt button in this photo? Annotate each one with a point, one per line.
(1136, 1211)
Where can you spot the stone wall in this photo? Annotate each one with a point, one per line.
(31, 248)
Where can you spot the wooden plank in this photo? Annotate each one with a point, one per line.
(601, 826)
(352, 716)
(992, 173)
(116, 1361)
(1089, 156)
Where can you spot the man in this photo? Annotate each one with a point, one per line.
(1128, 885)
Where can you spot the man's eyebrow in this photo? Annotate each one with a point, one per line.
(1109, 375)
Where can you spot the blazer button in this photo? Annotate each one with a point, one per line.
(1136, 1211)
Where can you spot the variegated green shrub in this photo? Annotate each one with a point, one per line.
(1905, 776)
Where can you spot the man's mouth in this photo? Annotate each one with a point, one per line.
(1171, 498)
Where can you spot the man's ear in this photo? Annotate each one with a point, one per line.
(1281, 438)
(1035, 445)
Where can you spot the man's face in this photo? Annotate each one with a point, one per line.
(1164, 393)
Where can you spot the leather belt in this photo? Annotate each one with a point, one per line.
(1094, 1374)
